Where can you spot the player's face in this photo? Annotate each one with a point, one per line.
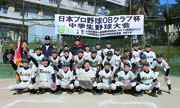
(87, 65)
(109, 57)
(136, 47)
(146, 68)
(80, 54)
(65, 68)
(94, 54)
(47, 41)
(126, 68)
(148, 48)
(125, 60)
(77, 42)
(98, 46)
(160, 59)
(38, 51)
(66, 47)
(25, 64)
(45, 63)
(143, 60)
(117, 52)
(24, 44)
(54, 55)
(87, 48)
(107, 67)
(66, 54)
(108, 45)
(126, 53)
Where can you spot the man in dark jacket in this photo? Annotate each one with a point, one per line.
(74, 49)
(47, 47)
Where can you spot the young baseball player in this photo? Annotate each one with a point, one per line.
(106, 83)
(135, 57)
(161, 66)
(141, 62)
(128, 53)
(99, 51)
(126, 80)
(66, 58)
(66, 46)
(148, 80)
(110, 58)
(87, 52)
(89, 70)
(151, 56)
(47, 76)
(54, 58)
(117, 57)
(65, 76)
(79, 59)
(125, 59)
(26, 76)
(108, 48)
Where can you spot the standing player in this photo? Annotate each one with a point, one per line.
(117, 57)
(141, 62)
(99, 51)
(54, 58)
(79, 59)
(26, 76)
(77, 46)
(108, 45)
(128, 53)
(148, 80)
(126, 80)
(66, 46)
(125, 59)
(87, 53)
(67, 58)
(161, 66)
(151, 56)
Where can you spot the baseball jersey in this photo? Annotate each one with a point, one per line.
(94, 62)
(106, 77)
(37, 58)
(106, 50)
(87, 55)
(150, 56)
(78, 61)
(135, 56)
(54, 59)
(112, 61)
(125, 76)
(99, 52)
(66, 77)
(25, 74)
(66, 59)
(45, 73)
(122, 65)
(147, 78)
(140, 65)
(158, 66)
(117, 59)
(62, 54)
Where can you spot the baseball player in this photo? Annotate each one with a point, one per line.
(135, 57)
(47, 76)
(26, 76)
(125, 59)
(79, 59)
(66, 58)
(85, 70)
(106, 83)
(108, 45)
(117, 57)
(126, 80)
(66, 46)
(161, 66)
(151, 56)
(99, 51)
(110, 58)
(87, 52)
(54, 58)
(65, 77)
(128, 53)
(148, 81)
(141, 62)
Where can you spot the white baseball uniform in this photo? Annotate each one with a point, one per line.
(135, 56)
(122, 65)
(106, 50)
(94, 62)
(78, 61)
(117, 59)
(54, 59)
(87, 55)
(150, 56)
(38, 59)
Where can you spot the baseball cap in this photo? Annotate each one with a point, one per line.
(80, 50)
(66, 50)
(47, 38)
(94, 50)
(66, 45)
(109, 53)
(25, 41)
(126, 50)
(98, 43)
(25, 60)
(117, 49)
(125, 57)
(86, 45)
(136, 44)
(106, 63)
(65, 64)
(86, 61)
(127, 64)
(45, 59)
(143, 56)
(54, 51)
(148, 45)
(159, 55)
(77, 39)
(146, 64)
(37, 48)
(108, 42)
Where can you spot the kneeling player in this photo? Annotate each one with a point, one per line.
(107, 83)
(126, 80)
(26, 76)
(64, 79)
(148, 80)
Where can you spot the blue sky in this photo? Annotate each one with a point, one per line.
(165, 1)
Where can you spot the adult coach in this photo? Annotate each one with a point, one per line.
(74, 49)
(47, 47)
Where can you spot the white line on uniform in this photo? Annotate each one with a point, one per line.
(57, 100)
(110, 101)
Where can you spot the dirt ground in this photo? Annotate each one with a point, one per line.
(88, 100)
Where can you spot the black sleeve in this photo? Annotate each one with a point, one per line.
(97, 75)
(134, 80)
(130, 56)
(12, 51)
(139, 78)
(59, 64)
(102, 55)
(74, 72)
(55, 68)
(34, 61)
(167, 72)
(14, 65)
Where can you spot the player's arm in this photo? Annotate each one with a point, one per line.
(139, 77)
(12, 63)
(34, 61)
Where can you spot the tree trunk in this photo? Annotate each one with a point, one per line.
(1, 51)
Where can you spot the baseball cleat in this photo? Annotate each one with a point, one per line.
(171, 92)
(153, 94)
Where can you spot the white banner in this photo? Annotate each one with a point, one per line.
(99, 26)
